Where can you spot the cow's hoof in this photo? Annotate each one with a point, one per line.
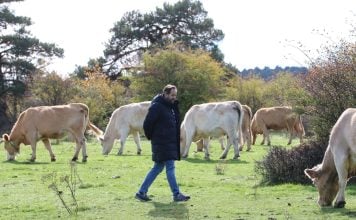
(32, 160)
(184, 156)
(53, 159)
(139, 152)
(119, 153)
(74, 158)
(340, 204)
(236, 157)
(248, 149)
(84, 159)
(222, 157)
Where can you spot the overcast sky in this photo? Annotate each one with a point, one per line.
(257, 32)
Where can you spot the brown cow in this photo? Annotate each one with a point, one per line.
(339, 163)
(50, 122)
(276, 118)
(245, 129)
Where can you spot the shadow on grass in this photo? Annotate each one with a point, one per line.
(342, 211)
(25, 162)
(170, 210)
(227, 161)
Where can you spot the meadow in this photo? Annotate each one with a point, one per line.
(105, 187)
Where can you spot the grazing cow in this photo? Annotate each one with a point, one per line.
(125, 120)
(339, 163)
(50, 122)
(212, 120)
(245, 129)
(276, 118)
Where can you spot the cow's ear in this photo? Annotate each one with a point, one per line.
(5, 137)
(312, 173)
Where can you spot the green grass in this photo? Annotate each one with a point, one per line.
(109, 184)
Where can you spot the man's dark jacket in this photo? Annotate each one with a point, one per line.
(161, 126)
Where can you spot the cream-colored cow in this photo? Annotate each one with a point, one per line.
(214, 119)
(125, 120)
(245, 133)
(339, 163)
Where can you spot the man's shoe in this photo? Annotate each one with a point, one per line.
(181, 198)
(142, 197)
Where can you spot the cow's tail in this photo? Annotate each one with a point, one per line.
(96, 131)
(301, 125)
(240, 113)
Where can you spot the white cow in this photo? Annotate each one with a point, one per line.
(339, 163)
(212, 120)
(245, 133)
(125, 120)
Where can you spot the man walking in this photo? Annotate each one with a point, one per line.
(161, 126)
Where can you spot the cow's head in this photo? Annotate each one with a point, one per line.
(106, 144)
(326, 182)
(11, 147)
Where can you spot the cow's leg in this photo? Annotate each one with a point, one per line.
(232, 140)
(254, 136)
(200, 145)
(300, 137)
(206, 143)
(242, 144)
(235, 142)
(248, 141)
(266, 136)
(123, 135)
(49, 148)
(80, 144)
(222, 144)
(341, 167)
(84, 149)
(290, 137)
(33, 147)
(136, 137)
(227, 148)
(187, 143)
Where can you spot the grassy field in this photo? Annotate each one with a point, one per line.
(108, 184)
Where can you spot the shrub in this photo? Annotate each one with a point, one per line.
(282, 165)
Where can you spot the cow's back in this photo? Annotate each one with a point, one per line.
(344, 130)
(273, 117)
(50, 121)
(130, 116)
(56, 118)
(209, 116)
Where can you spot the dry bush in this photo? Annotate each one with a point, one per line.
(282, 165)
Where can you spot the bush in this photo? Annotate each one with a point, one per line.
(281, 165)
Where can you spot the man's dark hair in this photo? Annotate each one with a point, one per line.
(168, 88)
